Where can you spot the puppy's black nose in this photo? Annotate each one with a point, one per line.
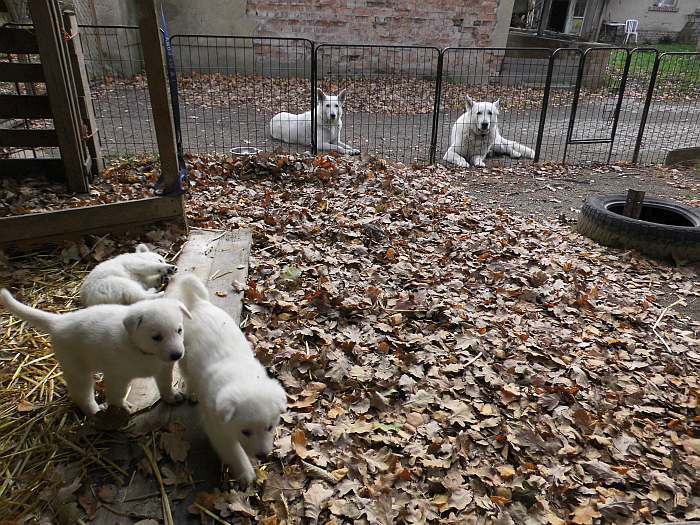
(484, 125)
(174, 356)
(332, 115)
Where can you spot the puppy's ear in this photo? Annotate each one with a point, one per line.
(495, 104)
(320, 95)
(142, 248)
(341, 96)
(468, 102)
(224, 405)
(132, 322)
(184, 310)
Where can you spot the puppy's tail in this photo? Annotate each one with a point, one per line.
(44, 321)
(189, 289)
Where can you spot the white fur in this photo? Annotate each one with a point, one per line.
(126, 278)
(116, 340)
(236, 396)
(475, 135)
(296, 129)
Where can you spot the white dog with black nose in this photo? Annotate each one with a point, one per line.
(126, 278)
(476, 135)
(123, 342)
(239, 403)
(296, 129)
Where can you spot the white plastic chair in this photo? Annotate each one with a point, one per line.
(631, 29)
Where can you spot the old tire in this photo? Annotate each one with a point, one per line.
(601, 219)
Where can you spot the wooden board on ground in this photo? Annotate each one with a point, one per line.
(220, 259)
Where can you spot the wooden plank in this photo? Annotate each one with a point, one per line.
(51, 168)
(18, 40)
(82, 85)
(154, 62)
(25, 106)
(38, 228)
(220, 259)
(21, 72)
(29, 138)
(59, 85)
(634, 203)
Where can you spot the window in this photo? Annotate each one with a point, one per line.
(665, 3)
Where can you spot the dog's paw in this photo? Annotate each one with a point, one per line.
(354, 151)
(247, 477)
(516, 155)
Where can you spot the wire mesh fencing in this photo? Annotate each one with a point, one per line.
(390, 94)
(231, 87)
(120, 99)
(569, 105)
(515, 77)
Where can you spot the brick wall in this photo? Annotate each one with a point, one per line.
(439, 23)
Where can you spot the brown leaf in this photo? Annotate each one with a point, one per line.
(315, 500)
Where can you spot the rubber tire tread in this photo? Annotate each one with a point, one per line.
(656, 240)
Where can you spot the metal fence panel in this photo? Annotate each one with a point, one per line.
(230, 87)
(514, 76)
(391, 93)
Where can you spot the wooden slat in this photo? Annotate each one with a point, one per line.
(51, 168)
(21, 72)
(29, 138)
(17, 40)
(154, 63)
(82, 85)
(25, 106)
(59, 84)
(41, 228)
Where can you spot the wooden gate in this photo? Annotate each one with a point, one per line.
(66, 102)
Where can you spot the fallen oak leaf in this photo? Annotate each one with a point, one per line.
(315, 500)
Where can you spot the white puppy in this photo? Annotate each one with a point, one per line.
(475, 135)
(123, 342)
(126, 278)
(296, 129)
(239, 403)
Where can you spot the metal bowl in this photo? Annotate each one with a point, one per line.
(245, 150)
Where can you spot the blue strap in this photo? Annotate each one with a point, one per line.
(179, 187)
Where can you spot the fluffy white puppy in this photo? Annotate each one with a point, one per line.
(126, 278)
(239, 403)
(123, 342)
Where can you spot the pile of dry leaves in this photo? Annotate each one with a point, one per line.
(448, 362)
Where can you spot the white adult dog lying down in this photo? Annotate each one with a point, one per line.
(126, 278)
(239, 403)
(123, 342)
(296, 129)
(476, 134)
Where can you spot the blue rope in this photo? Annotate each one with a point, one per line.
(179, 187)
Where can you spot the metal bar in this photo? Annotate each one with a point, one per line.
(432, 151)
(590, 141)
(314, 86)
(574, 104)
(647, 104)
(618, 106)
(545, 104)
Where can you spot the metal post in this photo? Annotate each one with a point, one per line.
(574, 104)
(545, 105)
(645, 111)
(314, 80)
(436, 109)
(618, 106)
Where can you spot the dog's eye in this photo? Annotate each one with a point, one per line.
(179, 330)
(158, 338)
(269, 429)
(246, 433)
(328, 105)
(478, 112)
(489, 113)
